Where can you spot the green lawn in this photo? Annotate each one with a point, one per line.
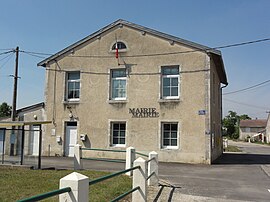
(231, 148)
(18, 183)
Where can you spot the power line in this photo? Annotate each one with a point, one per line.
(37, 53)
(155, 54)
(248, 88)
(243, 43)
(6, 52)
(5, 57)
(34, 55)
(6, 49)
(9, 57)
(245, 104)
(134, 74)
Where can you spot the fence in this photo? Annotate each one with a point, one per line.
(21, 145)
(75, 186)
(130, 157)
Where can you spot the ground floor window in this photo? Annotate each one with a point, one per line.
(118, 133)
(170, 135)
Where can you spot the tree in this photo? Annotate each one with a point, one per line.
(5, 110)
(231, 124)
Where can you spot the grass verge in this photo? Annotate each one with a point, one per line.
(231, 148)
(18, 183)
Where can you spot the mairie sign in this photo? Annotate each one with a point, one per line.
(143, 112)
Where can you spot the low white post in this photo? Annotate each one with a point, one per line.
(139, 179)
(77, 157)
(79, 185)
(130, 158)
(153, 168)
(225, 142)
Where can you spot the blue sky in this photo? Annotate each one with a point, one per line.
(49, 26)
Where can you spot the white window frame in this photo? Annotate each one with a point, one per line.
(162, 136)
(73, 81)
(119, 50)
(170, 76)
(117, 79)
(111, 133)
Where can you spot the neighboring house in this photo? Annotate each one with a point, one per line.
(12, 142)
(254, 129)
(128, 85)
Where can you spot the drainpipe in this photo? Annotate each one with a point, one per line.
(221, 112)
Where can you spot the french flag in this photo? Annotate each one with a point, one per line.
(116, 50)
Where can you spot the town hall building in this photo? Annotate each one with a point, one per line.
(128, 85)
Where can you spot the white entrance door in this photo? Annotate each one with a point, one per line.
(71, 140)
(2, 139)
(34, 141)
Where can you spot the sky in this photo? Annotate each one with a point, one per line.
(50, 26)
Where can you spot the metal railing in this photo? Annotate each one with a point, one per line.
(97, 149)
(142, 154)
(104, 159)
(100, 179)
(140, 178)
(46, 195)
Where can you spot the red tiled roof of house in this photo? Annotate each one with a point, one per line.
(256, 123)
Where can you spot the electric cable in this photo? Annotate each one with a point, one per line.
(248, 88)
(156, 54)
(9, 57)
(6, 52)
(245, 104)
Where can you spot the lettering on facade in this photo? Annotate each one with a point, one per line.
(143, 112)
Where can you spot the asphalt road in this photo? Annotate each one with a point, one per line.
(235, 176)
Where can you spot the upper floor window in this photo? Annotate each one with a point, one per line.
(170, 82)
(73, 86)
(118, 84)
(120, 46)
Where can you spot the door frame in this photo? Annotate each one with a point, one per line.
(68, 124)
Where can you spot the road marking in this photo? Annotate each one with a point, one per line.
(269, 190)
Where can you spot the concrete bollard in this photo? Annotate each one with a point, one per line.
(77, 157)
(79, 185)
(225, 143)
(153, 167)
(139, 179)
(130, 158)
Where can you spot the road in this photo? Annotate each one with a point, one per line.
(235, 176)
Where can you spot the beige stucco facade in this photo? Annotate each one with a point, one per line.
(199, 138)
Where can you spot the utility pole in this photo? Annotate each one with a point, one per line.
(14, 102)
(15, 76)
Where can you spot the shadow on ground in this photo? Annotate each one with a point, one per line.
(231, 158)
(169, 199)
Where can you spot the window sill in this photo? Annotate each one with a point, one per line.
(118, 146)
(71, 102)
(117, 101)
(168, 100)
(169, 148)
